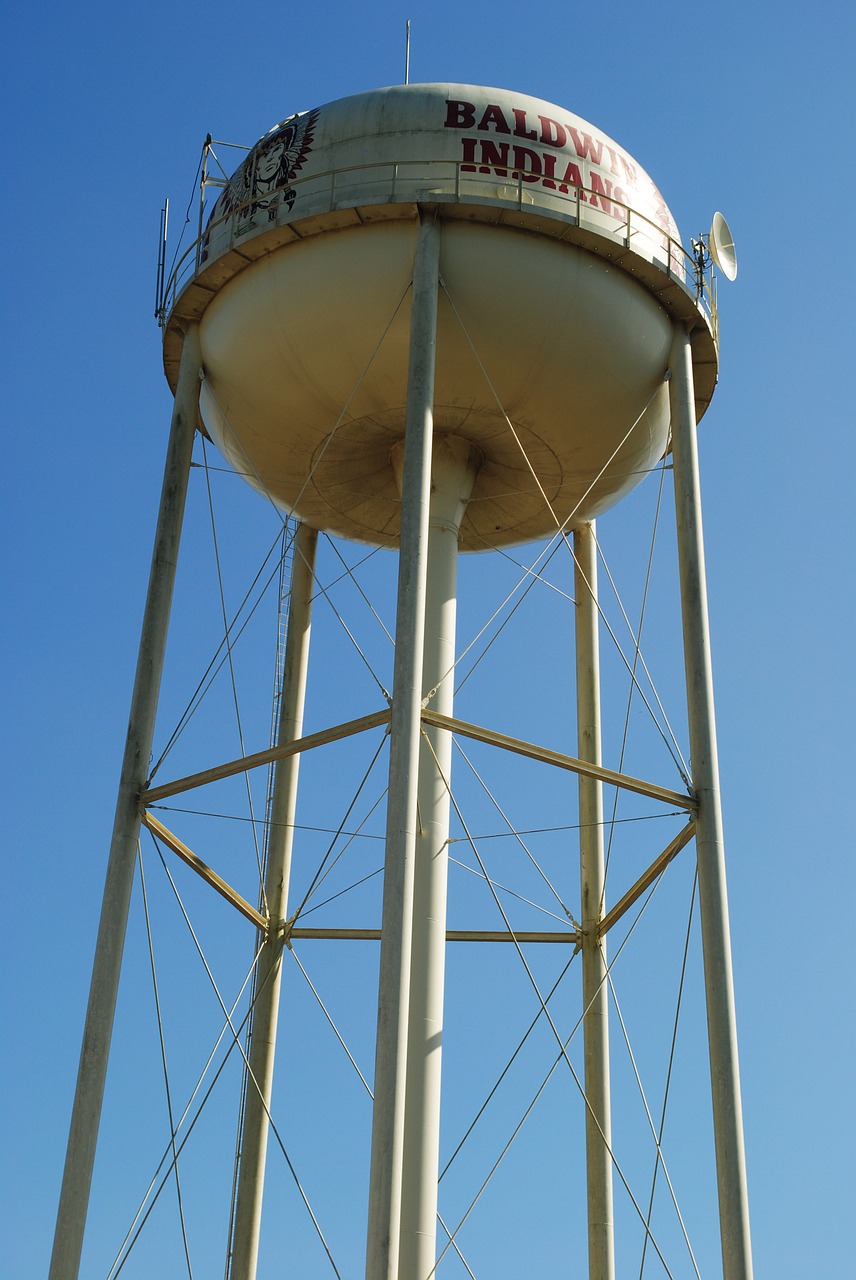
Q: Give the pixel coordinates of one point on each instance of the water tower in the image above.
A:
(442, 318)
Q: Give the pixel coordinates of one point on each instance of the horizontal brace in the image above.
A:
(202, 869)
(245, 763)
(571, 763)
(452, 935)
(657, 866)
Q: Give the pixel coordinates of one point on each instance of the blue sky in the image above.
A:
(106, 110)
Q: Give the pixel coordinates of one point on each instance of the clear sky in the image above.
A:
(747, 108)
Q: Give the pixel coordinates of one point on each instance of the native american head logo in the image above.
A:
(269, 169)
(262, 185)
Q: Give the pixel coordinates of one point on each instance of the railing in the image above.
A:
(454, 182)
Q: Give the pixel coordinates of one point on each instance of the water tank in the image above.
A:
(562, 276)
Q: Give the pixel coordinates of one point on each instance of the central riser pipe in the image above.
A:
(384, 1216)
(453, 472)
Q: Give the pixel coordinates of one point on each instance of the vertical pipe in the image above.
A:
(595, 993)
(453, 470)
(713, 898)
(203, 182)
(98, 1028)
(396, 922)
(254, 1132)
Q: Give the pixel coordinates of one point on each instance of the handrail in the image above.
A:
(681, 265)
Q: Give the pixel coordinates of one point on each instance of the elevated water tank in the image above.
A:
(562, 275)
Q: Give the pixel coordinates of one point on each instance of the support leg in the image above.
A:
(98, 1029)
(713, 898)
(254, 1133)
(595, 993)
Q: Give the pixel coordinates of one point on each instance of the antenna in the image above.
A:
(721, 244)
(407, 53)
(159, 287)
